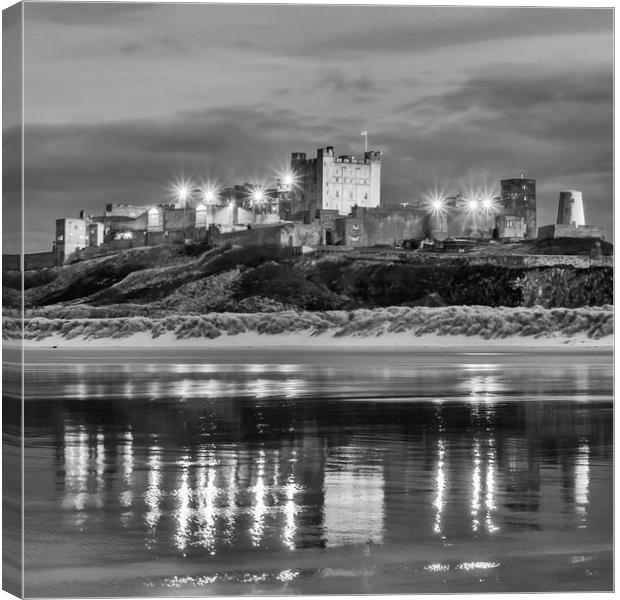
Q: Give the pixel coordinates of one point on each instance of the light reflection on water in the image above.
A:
(265, 463)
(207, 510)
(582, 483)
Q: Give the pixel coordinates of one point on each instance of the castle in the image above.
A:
(327, 200)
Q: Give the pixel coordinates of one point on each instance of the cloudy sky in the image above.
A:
(121, 99)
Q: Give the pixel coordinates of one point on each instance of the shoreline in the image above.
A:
(325, 342)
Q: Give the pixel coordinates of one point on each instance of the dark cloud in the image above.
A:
(337, 82)
(86, 13)
(421, 29)
(557, 128)
(523, 88)
(568, 115)
(163, 44)
(82, 166)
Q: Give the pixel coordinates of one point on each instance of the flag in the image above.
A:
(364, 133)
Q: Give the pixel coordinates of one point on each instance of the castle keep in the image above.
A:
(334, 183)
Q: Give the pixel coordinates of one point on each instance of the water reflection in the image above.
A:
(206, 494)
(231, 493)
(182, 513)
(582, 483)
(127, 463)
(354, 499)
(266, 463)
(258, 509)
(76, 471)
(153, 493)
(440, 480)
(474, 380)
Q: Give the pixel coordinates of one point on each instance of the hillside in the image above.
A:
(168, 280)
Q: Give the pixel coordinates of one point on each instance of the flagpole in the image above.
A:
(365, 134)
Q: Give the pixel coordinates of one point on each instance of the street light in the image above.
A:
(473, 205)
(257, 196)
(183, 190)
(209, 194)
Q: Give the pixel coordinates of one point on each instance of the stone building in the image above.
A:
(330, 182)
(509, 228)
(71, 234)
(518, 199)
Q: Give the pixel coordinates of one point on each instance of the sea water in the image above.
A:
(189, 472)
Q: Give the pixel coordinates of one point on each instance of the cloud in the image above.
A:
(557, 127)
(161, 44)
(562, 113)
(422, 29)
(69, 167)
(85, 14)
(339, 83)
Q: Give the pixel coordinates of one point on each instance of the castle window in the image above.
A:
(365, 196)
(61, 238)
(337, 194)
(350, 194)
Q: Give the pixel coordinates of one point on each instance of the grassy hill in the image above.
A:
(168, 280)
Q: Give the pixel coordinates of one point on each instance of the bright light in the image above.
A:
(257, 195)
(472, 205)
(182, 189)
(489, 203)
(287, 179)
(183, 192)
(435, 201)
(209, 193)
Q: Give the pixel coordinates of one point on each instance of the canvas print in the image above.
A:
(306, 299)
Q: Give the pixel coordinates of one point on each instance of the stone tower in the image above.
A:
(519, 200)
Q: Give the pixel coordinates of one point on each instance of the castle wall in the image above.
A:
(222, 216)
(155, 220)
(263, 236)
(113, 224)
(125, 210)
(561, 231)
(350, 231)
(248, 217)
(391, 226)
(298, 234)
(178, 218)
(95, 234)
(39, 260)
(510, 227)
(11, 262)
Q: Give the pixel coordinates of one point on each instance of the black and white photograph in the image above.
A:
(307, 299)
